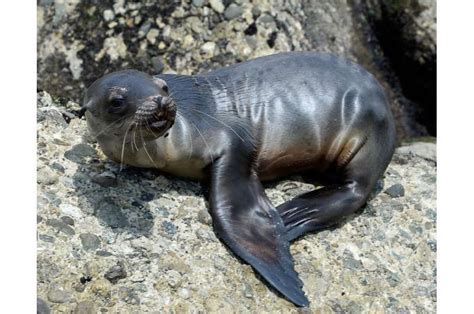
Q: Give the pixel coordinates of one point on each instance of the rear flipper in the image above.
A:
(321, 208)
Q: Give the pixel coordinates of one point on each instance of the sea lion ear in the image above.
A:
(83, 109)
(161, 84)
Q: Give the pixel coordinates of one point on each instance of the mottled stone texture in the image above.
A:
(145, 243)
(78, 41)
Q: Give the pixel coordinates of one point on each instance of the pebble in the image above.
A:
(208, 49)
(60, 226)
(396, 190)
(85, 307)
(169, 228)
(90, 242)
(266, 19)
(70, 210)
(204, 217)
(152, 35)
(217, 5)
(233, 11)
(109, 15)
(56, 295)
(256, 11)
(198, 3)
(68, 220)
(184, 293)
(173, 262)
(46, 238)
(115, 273)
(129, 295)
(105, 179)
(42, 307)
(46, 176)
(173, 278)
(100, 287)
(57, 166)
(248, 292)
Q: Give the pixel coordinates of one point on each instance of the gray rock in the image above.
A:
(79, 152)
(85, 307)
(204, 217)
(169, 228)
(103, 253)
(42, 307)
(52, 115)
(90, 242)
(233, 11)
(350, 262)
(396, 190)
(57, 166)
(421, 149)
(393, 279)
(46, 238)
(61, 226)
(68, 220)
(46, 176)
(111, 214)
(57, 295)
(256, 11)
(266, 19)
(105, 179)
(115, 273)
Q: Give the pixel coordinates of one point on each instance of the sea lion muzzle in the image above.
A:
(156, 112)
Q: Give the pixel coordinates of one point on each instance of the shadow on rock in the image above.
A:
(122, 200)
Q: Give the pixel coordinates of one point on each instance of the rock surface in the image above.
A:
(79, 41)
(151, 235)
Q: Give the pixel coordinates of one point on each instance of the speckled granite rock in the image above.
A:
(149, 245)
(79, 41)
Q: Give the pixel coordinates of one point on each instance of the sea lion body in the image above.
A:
(259, 120)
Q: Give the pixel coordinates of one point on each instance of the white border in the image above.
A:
(18, 156)
(455, 156)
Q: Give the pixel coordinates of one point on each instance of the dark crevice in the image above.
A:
(417, 78)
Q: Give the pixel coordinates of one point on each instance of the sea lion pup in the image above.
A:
(256, 120)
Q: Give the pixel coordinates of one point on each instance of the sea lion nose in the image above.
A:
(157, 99)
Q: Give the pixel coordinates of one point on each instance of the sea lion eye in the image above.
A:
(117, 102)
(165, 89)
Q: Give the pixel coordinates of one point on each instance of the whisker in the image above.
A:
(109, 126)
(134, 139)
(220, 123)
(146, 151)
(180, 118)
(123, 145)
(207, 145)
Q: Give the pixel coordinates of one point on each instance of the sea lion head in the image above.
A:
(129, 102)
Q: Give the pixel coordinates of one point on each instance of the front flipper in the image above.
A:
(247, 222)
